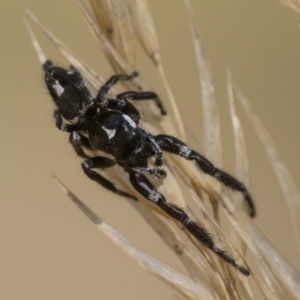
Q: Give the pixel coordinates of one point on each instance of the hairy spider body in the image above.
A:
(112, 126)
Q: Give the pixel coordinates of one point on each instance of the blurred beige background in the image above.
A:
(48, 249)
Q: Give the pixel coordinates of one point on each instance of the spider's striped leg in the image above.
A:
(156, 148)
(175, 146)
(101, 162)
(156, 172)
(146, 189)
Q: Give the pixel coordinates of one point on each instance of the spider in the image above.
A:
(112, 126)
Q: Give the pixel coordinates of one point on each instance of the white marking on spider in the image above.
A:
(121, 103)
(188, 221)
(76, 137)
(130, 121)
(58, 88)
(110, 132)
(87, 163)
(184, 151)
(154, 196)
(138, 150)
(103, 103)
(75, 120)
(217, 175)
(63, 127)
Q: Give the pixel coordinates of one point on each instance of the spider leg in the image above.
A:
(101, 162)
(132, 95)
(175, 146)
(47, 65)
(78, 83)
(61, 125)
(146, 189)
(156, 172)
(129, 109)
(79, 143)
(101, 100)
(156, 148)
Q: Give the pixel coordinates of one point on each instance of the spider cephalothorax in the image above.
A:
(112, 126)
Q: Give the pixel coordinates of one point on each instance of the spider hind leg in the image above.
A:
(175, 146)
(146, 189)
(79, 143)
(101, 162)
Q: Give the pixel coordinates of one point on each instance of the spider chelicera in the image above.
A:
(112, 126)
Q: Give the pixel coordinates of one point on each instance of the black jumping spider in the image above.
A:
(111, 125)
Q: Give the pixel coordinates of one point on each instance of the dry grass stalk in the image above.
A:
(114, 25)
(294, 4)
(242, 164)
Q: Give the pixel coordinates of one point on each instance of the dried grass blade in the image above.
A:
(242, 172)
(87, 72)
(212, 135)
(146, 34)
(118, 63)
(115, 59)
(177, 118)
(286, 274)
(294, 4)
(103, 13)
(212, 220)
(168, 232)
(41, 55)
(180, 283)
(145, 29)
(242, 164)
(123, 35)
(281, 278)
(226, 280)
(265, 285)
(285, 179)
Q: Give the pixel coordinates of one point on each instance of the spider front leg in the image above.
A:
(132, 95)
(61, 125)
(161, 174)
(128, 109)
(146, 189)
(79, 143)
(156, 148)
(78, 83)
(101, 162)
(77, 140)
(175, 146)
(101, 99)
